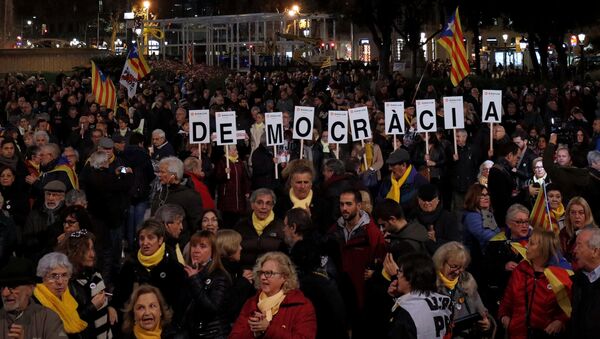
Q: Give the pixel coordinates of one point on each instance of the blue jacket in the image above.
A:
(408, 190)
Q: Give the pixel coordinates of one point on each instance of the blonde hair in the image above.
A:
(549, 244)
(285, 267)
(589, 218)
(452, 249)
(228, 242)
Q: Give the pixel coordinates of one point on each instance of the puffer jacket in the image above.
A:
(254, 245)
(526, 286)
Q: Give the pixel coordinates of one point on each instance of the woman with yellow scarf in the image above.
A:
(55, 271)
(450, 261)
(280, 309)
(147, 315)
(154, 266)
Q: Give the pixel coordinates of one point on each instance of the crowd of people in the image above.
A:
(113, 225)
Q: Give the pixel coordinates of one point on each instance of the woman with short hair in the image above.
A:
(55, 270)
(146, 314)
(279, 310)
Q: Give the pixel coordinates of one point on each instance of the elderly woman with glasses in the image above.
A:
(55, 270)
(87, 285)
(504, 252)
(451, 260)
(536, 301)
(279, 310)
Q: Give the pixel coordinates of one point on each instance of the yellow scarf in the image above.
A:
(65, 308)
(260, 225)
(450, 284)
(233, 159)
(269, 306)
(149, 261)
(141, 333)
(394, 192)
(555, 215)
(301, 203)
(179, 254)
(369, 155)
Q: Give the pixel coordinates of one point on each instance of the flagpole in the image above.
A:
(546, 202)
(419, 84)
(275, 156)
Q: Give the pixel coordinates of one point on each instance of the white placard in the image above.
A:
(199, 126)
(492, 106)
(426, 121)
(303, 122)
(338, 127)
(394, 118)
(454, 112)
(360, 126)
(241, 135)
(274, 128)
(226, 128)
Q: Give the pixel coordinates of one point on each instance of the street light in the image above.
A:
(581, 38)
(523, 45)
(146, 5)
(505, 38)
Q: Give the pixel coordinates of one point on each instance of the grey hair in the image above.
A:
(53, 148)
(42, 134)
(167, 213)
(593, 157)
(514, 209)
(262, 191)
(594, 240)
(191, 163)
(76, 197)
(174, 166)
(51, 261)
(159, 132)
(286, 267)
(98, 158)
(74, 151)
(335, 165)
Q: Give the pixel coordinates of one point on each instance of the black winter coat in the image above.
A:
(585, 318)
(464, 170)
(254, 245)
(107, 195)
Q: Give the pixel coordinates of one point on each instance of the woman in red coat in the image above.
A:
(279, 310)
(534, 305)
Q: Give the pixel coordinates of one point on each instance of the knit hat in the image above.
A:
(17, 272)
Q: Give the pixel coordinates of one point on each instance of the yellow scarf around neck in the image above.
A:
(555, 215)
(260, 225)
(301, 203)
(269, 306)
(394, 192)
(65, 308)
(149, 261)
(450, 284)
(141, 333)
(233, 158)
(369, 155)
(179, 254)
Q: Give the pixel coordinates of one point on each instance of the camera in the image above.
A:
(123, 170)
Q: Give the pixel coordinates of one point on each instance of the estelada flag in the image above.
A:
(103, 88)
(560, 281)
(451, 39)
(138, 63)
(539, 214)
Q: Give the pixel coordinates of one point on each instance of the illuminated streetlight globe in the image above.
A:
(505, 37)
(29, 22)
(581, 37)
(296, 8)
(146, 4)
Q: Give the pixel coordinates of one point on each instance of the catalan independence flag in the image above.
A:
(451, 39)
(103, 89)
(137, 63)
(541, 215)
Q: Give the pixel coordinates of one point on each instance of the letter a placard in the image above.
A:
(274, 128)
(426, 116)
(394, 118)
(492, 106)
(359, 123)
(199, 126)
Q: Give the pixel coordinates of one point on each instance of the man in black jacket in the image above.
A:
(464, 169)
(585, 318)
(501, 183)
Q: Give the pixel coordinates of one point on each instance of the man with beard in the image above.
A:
(21, 317)
(361, 245)
(43, 225)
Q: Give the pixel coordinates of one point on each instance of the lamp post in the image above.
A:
(505, 39)
(581, 38)
(523, 45)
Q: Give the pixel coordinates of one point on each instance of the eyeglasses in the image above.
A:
(55, 277)
(539, 167)
(521, 222)
(263, 203)
(11, 289)
(267, 274)
(70, 222)
(454, 267)
(79, 234)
